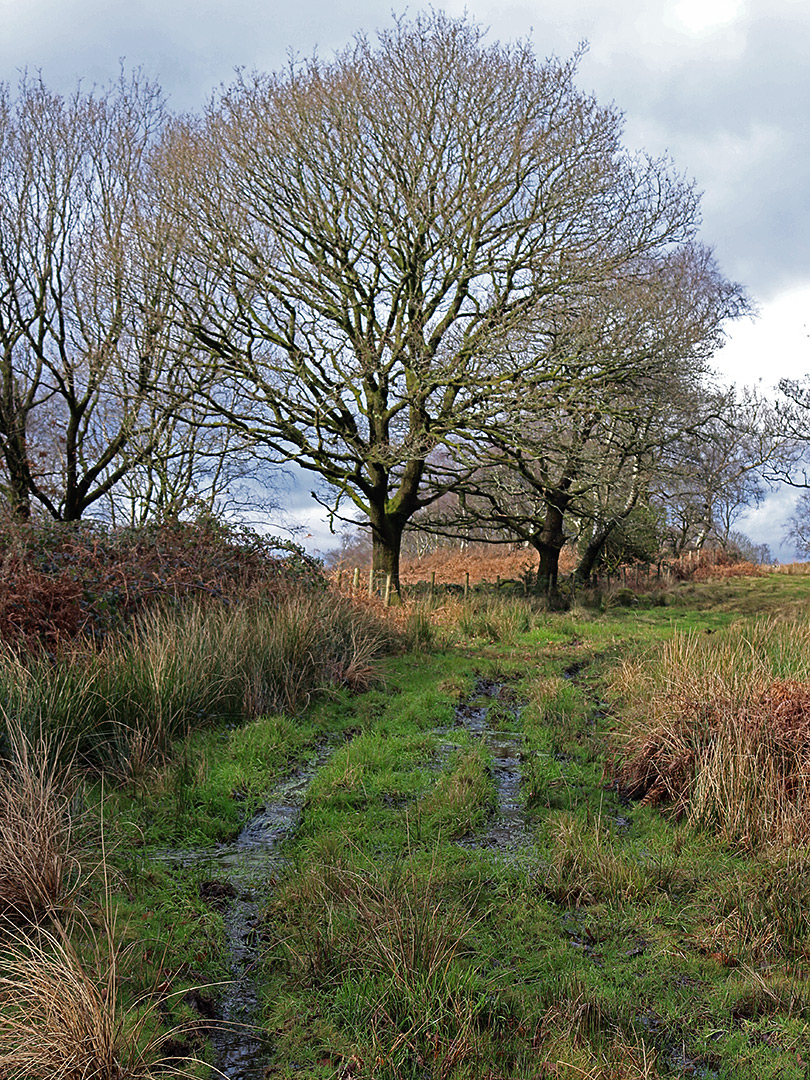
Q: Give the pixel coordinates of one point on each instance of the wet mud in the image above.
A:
(241, 876)
(489, 714)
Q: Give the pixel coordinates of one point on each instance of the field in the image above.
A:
(463, 839)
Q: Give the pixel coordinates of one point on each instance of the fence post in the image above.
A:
(466, 583)
(432, 582)
(356, 579)
(371, 580)
(387, 593)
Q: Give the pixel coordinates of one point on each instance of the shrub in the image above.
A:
(65, 580)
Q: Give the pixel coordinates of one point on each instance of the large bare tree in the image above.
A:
(634, 350)
(366, 236)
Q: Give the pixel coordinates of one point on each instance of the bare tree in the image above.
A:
(634, 350)
(717, 466)
(366, 236)
(90, 383)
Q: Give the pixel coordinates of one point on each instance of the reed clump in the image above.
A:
(718, 728)
(38, 860)
(119, 705)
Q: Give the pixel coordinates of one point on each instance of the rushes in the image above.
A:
(62, 1020)
(118, 707)
(37, 861)
(719, 727)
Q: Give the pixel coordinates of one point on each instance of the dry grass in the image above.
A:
(38, 864)
(62, 1017)
(719, 728)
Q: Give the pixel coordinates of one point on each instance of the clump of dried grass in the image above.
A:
(719, 728)
(62, 1017)
(38, 863)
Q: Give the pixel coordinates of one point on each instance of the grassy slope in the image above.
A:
(619, 944)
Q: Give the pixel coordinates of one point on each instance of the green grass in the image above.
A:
(620, 942)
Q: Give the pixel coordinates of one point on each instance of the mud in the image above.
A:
(242, 875)
(490, 705)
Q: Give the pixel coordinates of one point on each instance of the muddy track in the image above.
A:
(492, 714)
(242, 876)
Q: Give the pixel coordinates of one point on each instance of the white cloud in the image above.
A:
(702, 17)
(775, 345)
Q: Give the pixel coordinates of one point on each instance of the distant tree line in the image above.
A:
(427, 271)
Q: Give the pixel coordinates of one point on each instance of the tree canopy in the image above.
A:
(379, 249)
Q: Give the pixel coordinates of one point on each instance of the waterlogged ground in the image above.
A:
(439, 879)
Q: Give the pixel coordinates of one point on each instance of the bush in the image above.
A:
(66, 580)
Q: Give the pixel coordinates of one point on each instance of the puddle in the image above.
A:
(573, 670)
(241, 875)
(508, 827)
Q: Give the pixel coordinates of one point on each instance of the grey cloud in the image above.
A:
(736, 120)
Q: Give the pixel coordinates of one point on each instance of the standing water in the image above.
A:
(508, 827)
(243, 873)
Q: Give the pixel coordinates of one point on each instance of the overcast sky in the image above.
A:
(723, 86)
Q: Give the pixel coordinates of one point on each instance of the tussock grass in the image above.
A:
(496, 619)
(459, 801)
(620, 1060)
(585, 865)
(719, 728)
(63, 1018)
(120, 706)
(38, 862)
(388, 946)
(762, 912)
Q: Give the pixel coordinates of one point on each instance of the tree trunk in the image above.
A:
(386, 541)
(584, 570)
(18, 491)
(548, 543)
